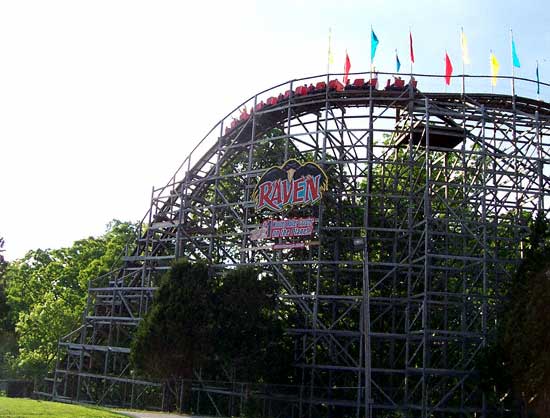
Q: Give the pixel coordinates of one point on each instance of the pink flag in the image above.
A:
(347, 67)
(411, 46)
(448, 69)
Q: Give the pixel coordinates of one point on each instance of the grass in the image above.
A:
(23, 408)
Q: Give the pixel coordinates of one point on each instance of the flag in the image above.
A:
(397, 62)
(538, 81)
(373, 44)
(494, 69)
(464, 46)
(515, 59)
(411, 46)
(330, 55)
(448, 69)
(347, 66)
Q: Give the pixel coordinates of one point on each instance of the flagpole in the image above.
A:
(513, 66)
(492, 75)
(538, 83)
(370, 67)
(446, 71)
(329, 49)
(463, 68)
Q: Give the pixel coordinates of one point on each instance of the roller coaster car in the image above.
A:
(231, 126)
(358, 84)
(301, 91)
(244, 115)
(398, 84)
(320, 87)
(271, 101)
(335, 85)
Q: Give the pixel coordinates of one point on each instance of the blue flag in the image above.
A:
(397, 62)
(515, 58)
(373, 44)
(538, 81)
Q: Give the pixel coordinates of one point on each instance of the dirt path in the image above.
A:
(145, 414)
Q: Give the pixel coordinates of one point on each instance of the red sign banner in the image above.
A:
(284, 228)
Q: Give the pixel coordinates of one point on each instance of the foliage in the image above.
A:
(8, 344)
(248, 334)
(176, 333)
(5, 323)
(517, 365)
(46, 293)
(14, 407)
(216, 323)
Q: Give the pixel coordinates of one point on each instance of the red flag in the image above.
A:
(347, 66)
(411, 46)
(448, 69)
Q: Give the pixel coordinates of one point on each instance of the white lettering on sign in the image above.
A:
(284, 228)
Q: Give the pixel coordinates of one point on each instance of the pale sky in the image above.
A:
(101, 100)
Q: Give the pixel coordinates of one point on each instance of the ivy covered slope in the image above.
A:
(44, 297)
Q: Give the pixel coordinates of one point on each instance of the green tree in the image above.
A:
(226, 325)
(46, 293)
(176, 334)
(5, 323)
(8, 344)
(248, 333)
(515, 368)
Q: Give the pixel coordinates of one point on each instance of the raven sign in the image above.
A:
(289, 185)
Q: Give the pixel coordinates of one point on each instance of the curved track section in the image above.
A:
(393, 292)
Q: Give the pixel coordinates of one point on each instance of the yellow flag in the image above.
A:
(494, 69)
(464, 45)
(330, 56)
